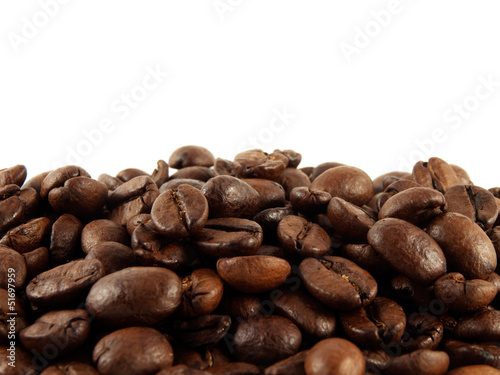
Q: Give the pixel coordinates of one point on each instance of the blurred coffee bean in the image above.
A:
(293, 365)
(419, 362)
(292, 178)
(13, 175)
(462, 353)
(481, 326)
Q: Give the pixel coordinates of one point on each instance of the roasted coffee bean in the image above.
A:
(102, 230)
(409, 290)
(228, 196)
(494, 235)
(201, 293)
(481, 326)
(467, 248)
(476, 203)
(130, 173)
(174, 184)
(494, 278)
(309, 202)
(114, 256)
(419, 362)
(146, 237)
(21, 362)
(378, 182)
(271, 194)
(462, 353)
(67, 329)
(436, 174)
(70, 368)
(293, 365)
(408, 249)
(338, 282)
(392, 188)
(351, 222)
(179, 212)
(137, 220)
(462, 175)
(335, 356)
(234, 368)
(461, 295)
(381, 322)
(111, 182)
(254, 273)
(308, 171)
(37, 261)
(174, 256)
(474, 370)
(152, 293)
(13, 268)
(294, 158)
(160, 174)
(313, 318)
(349, 183)
(270, 218)
(133, 350)
(13, 175)
(258, 164)
(299, 236)
(265, 340)
(59, 176)
(275, 251)
(195, 173)
(28, 236)
(292, 178)
(203, 330)
(188, 156)
(64, 284)
(65, 239)
(10, 304)
(181, 370)
(320, 168)
(226, 237)
(242, 306)
(365, 257)
(376, 361)
(224, 167)
(423, 331)
(17, 206)
(35, 182)
(416, 205)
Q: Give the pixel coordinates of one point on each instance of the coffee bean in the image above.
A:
(320, 168)
(23, 363)
(13, 268)
(242, 306)
(129, 173)
(334, 356)
(13, 175)
(113, 256)
(152, 293)
(408, 249)
(270, 218)
(174, 256)
(265, 339)
(37, 261)
(202, 330)
(195, 173)
(419, 362)
(481, 326)
(462, 353)
(134, 350)
(258, 164)
(160, 174)
(338, 282)
(293, 365)
(28, 236)
(179, 212)
(271, 194)
(102, 230)
(365, 257)
(188, 156)
(17, 206)
(423, 331)
(174, 184)
(292, 178)
(254, 273)
(181, 370)
(475, 370)
(65, 239)
(349, 221)
(235, 368)
(376, 360)
(59, 176)
(307, 201)
(111, 182)
(436, 174)
(379, 183)
(70, 368)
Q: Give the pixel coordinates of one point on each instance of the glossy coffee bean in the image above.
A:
(37, 261)
(270, 218)
(419, 362)
(174, 256)
(463, 353)
(113, 256)
(335, 356)
(265, 340)
(271, 193)
(483, 325)
(129, 173)
(292, 178)
(349, 221)
(59, 176)
(13, 270)
(17, 206)
(102, 230)
(188, 156)
(65, 239)
(175, 183)
(28, 236)
(152, 293)
(307, 201)
(376, 360)
(467, 248)
(194, 172)
(338, 282)
(179, 212)
(365, 257)
(64, 284)
(65, 330)
(423, 331)
(134, 350)
(436, 173)
(293, 365)
(13, 175)
(408, 249)
(320, 168)
(200, 331)
(258, 164)
(254, 273)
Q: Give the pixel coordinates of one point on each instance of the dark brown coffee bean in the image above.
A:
(102, 230)
(64, 284)
(182, 370)
(265, 340)
(378, 182)
(292, 178)
(271, 193)
(365, 257)
(423, 331)
(416, 205)
(293, 365)
(226, 237)
(320, 168)
(476, 203)
(313, 318)
(234, 368)
(335, 356)
(111, 182)
(494, 235)
(59, 176)
(13, 175)
(338, 282)
(299, 236)
(29, 236)
(462, 353)
(349, 183)
(376, 361)
(152, 295)
(224, 167)
(467, 248)
(461, 295)
(349, 221)
(258, 164)
(411, 291)
(294, 158)
(254, 273)
(134, 350)
(419, 362)
(270, 218)
(177, 213)
(13, 269)
(35, 182)
(201, 293)
(202, 330)
(228, 196)
(494, 278)
(408, 249)
(65, 239)
(474, 370)
(17, 206)
(381, 322)
(242, 306)
(309, 202)
(174, 256)
(70, 368)
(195, 173)
(160, 174)
(436, 174)
(174, 184)
(188, 156)
(146, 237)
(137, 220)
(130, 173)
(481, 326)
(11, 304)
(62, 330)
(37, 261)
(308, 171)
(275, 251)
(114, 256)
(21, 362)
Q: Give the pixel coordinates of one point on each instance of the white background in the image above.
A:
(366, 83)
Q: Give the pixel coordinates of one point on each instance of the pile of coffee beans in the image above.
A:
(249, 266)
